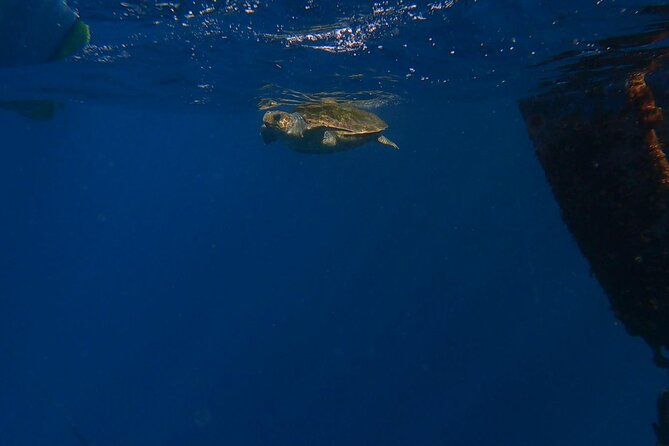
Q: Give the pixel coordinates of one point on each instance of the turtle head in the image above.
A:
(279, 123)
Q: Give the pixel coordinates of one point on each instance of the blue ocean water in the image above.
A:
(168, 279)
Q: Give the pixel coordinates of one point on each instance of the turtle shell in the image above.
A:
(337, 116)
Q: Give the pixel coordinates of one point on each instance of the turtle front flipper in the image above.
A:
(386, 142)
(329, 138)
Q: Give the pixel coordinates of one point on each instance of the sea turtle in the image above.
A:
(324, 127)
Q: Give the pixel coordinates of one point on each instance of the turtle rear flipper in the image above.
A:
(386, 142)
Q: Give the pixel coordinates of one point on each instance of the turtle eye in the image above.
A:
(276, 117)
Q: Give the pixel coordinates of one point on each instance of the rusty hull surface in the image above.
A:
(603, 154)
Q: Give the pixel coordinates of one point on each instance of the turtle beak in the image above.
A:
(268, 136)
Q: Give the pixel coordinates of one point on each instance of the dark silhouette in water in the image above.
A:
(600, 136)
(37, 110)
(662, 425)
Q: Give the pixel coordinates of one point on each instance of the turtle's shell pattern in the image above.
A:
(340, 117)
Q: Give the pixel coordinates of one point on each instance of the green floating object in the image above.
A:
(75, 40)
(39, 31)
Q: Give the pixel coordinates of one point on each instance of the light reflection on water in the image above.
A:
(163, 52)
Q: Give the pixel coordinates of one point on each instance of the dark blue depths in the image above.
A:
(167, 279)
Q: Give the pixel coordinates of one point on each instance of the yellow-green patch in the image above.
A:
(75, 40)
